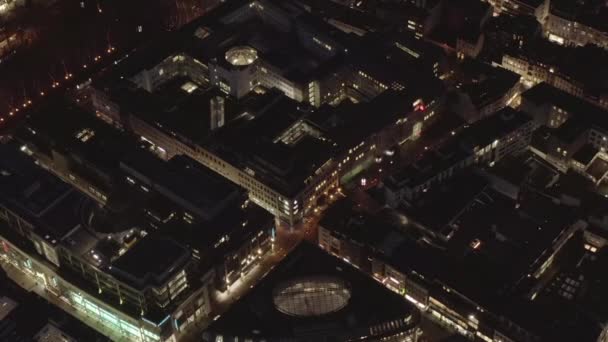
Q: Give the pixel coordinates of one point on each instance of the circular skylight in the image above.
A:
(313, 296)
(241, 55)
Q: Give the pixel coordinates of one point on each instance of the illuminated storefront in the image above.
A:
(40, 272)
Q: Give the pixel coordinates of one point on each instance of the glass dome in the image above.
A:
(313, 296)
(241, 55)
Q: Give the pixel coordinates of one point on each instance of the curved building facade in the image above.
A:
(313, 296)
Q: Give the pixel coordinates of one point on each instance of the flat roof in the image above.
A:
(486, 83)
(532, 3)
(458, 148)
(275, 32)
(513, 168)
(186, 113)
(583, 115)
(400, 58)
(591, 13)
(572, 304)
(348, 124)
(52, 206)
(395, 12)
(489, 237)
(598, 168)
(275, 41)
(335, 11)
(183, 181)
(594, 299)
(465, 21)
(144, 263)
(258, 120)
(71, 130)
(255, 315)
(585, 154)
(274, 28)
(430, 164)
(345, 219)
(583, 66)
(257, 143)
(485, 131)
(233, 225)
(438, 207)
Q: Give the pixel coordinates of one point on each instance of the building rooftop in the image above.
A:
(485, 84)
(514, 169)
(571, 303)
(183, 181)
(345, 219)
(202, 210)
(585, 154)
(457, 148)
(582, 115)
(437, 208)
(338, 15)
(466, 19)
(488, 235)
(73, 132)
(532, 3)
(349, 123)
(212, 237)
(53, 206)
(598, 168)
(296, 44)
(591, 13)
(64, 216)
(399, 59)
(273, 311)
(143, 265)
(567, 62)
(258, 120)
(429, 165)
(526, 25)
(484, 132)
(183, 112)
(279, 32)
(396, 12)
(263, 145)
(510, 32)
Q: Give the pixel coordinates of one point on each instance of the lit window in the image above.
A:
(475, 244)
(85, 134)
(189, 87)
(225, 87)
